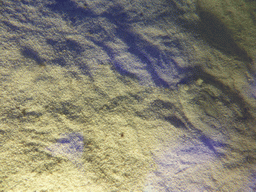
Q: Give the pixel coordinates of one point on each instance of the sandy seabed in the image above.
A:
(123, 96)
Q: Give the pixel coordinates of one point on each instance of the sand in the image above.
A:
(127, 96)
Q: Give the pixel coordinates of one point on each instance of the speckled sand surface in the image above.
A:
(131, 96)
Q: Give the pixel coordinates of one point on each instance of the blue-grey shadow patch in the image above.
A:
(252, 185)
(174, 165)
(71, 10)
(74, 140)
(69, 146)
(32, 54)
